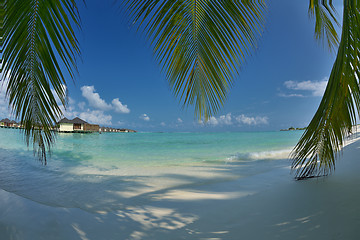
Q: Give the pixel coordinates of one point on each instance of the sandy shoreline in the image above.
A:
(265, 206)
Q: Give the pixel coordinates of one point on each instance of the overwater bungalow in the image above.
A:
(118, 130)
(13, 123)
(76, 125)
(5, 122)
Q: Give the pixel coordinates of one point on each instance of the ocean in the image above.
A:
(105, 172)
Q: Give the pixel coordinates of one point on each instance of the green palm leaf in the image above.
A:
(200, 44)
(37, 37)
(325, 17)
(317, 150)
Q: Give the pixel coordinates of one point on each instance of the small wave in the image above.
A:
(243, 157)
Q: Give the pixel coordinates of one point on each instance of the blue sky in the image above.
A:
(120, 84)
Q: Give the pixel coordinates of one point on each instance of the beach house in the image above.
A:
(5, 122)
(13, 123)
(76, 125)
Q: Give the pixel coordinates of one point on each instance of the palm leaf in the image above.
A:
(325, 17)
(200, 44)
(37, 39)
(316, 152)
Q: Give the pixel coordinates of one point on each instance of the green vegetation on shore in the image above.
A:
(293, 129)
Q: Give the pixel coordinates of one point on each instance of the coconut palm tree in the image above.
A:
(200, 45)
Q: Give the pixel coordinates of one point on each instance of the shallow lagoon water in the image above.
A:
(105, 172)
(173, 186)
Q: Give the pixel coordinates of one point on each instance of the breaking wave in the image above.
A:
(264, 155)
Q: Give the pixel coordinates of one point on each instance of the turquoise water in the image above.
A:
(99, 172)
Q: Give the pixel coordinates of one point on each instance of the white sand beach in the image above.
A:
(265, 206)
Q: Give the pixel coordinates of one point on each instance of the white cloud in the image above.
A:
(81, 105)
(94, 98)
(4, 103)
(163, 124)
(97, 102)
(71, 101)
(119, 107)
(226, 119)
(179, 120)
(290, 95)
(243, 119)
(91, 116)
(317, 88)
(96, 117)
(144, 117)
(222, 120)
(213, 121)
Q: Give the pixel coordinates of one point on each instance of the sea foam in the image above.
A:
(262, 155)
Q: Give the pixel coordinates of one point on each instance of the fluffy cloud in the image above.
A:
(96, 117)
(71, 101)
(81, 105)
(213, 121)
(242, 119)
(144, 117)
(226, 119)
(97, 102)
(290, 95)
(4, 103)
(179, 120)
(94, 98)
(222, 120)
(91, 115)
(316, 88)
(119, 107)
(163, 124)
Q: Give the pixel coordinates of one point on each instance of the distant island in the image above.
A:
(293, 129)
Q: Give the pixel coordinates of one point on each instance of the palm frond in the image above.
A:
(316, 152)
(200, 44)
(38, 38)
(325, 17)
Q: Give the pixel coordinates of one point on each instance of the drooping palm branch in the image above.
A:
(37, 40)
(200, 44)
(325, 17)
(318, 148)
